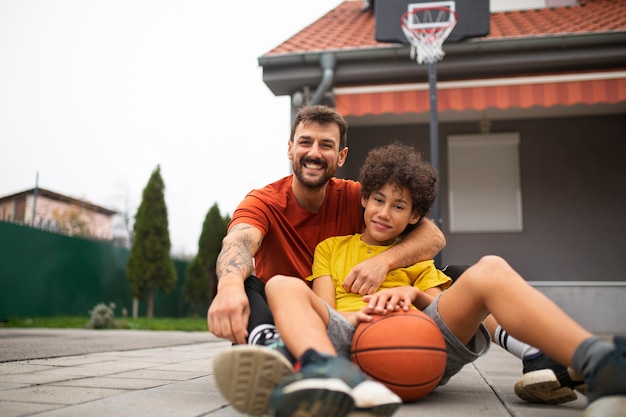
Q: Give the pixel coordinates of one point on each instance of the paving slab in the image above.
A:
(68, 373)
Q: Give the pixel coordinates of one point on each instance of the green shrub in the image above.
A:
(102, 317)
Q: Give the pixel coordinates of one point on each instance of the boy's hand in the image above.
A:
(382, 303)
(390, 299)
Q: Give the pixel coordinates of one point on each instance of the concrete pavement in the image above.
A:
(120, 373)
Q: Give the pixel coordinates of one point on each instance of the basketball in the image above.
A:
(403, 350)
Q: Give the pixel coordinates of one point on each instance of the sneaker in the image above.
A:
(607, 384)
(246, 375)
(331, 386)
(268, 336)
(546, 381)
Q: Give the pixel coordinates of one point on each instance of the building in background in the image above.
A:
(59, 213)
(531, 129)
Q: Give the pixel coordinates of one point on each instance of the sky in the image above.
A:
(94, 94)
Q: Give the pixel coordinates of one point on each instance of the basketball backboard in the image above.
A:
(472, 19)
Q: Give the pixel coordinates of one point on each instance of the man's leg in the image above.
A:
(261, 328)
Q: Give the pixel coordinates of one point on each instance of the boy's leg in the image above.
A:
(293, 303)
(493, 286)
(325, 385)
(545, 380)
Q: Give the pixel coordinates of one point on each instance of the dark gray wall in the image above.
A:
(573, 173)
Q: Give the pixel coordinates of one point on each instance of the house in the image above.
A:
(45, 209)
(530, 134)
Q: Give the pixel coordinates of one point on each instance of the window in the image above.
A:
(484, 183)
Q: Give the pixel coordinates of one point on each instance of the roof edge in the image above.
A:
(60, 197)
(479, 45)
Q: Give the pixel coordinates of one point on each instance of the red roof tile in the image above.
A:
(348, 27)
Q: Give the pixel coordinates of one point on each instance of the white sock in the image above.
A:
(268, 331)
(516, 347)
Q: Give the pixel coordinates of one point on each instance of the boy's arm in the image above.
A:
(420, 244)
(325, 289)
(230, 309)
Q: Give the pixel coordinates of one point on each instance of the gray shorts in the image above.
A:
(341, 332)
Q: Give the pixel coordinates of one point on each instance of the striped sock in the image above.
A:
(511, 344)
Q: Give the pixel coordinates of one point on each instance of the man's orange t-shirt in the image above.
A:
(290, 232)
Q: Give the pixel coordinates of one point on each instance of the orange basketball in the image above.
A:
(403, 350)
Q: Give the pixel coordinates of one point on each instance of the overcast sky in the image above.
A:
(94, 94)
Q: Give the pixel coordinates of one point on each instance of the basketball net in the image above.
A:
(427, 28)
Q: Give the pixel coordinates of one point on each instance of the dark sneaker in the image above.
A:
(331, 386)
(546, 381)
(246, 375)
(607, 385)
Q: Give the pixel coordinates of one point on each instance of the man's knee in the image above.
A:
(282, 284)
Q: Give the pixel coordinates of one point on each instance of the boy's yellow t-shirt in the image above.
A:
(336, 256)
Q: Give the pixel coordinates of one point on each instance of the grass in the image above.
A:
(78, 322)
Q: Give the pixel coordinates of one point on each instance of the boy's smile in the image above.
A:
(388, 211)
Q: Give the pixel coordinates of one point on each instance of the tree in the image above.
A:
(149, 266)
(201, 283)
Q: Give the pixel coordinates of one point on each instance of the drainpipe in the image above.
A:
(327, 62)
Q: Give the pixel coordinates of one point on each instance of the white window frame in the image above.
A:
(484, 185)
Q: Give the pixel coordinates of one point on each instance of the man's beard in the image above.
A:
(312, 184)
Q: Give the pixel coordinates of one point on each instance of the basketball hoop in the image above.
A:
(427, 28)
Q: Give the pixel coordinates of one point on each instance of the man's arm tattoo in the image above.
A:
(237, 256)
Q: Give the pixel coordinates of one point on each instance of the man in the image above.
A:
(275, 231)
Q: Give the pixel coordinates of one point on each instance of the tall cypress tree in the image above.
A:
(149, 265)
(201, 283)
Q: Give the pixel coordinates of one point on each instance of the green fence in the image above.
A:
(45, 274)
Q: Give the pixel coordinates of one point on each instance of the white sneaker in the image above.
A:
(246, 375)
(373, 399)
(543, 387)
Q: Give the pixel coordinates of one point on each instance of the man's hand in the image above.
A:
(365, 277)
(420, 244)
(229, 313)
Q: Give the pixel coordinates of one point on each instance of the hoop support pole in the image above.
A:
(434, 145)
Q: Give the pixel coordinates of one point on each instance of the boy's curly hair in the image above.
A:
(400, 165)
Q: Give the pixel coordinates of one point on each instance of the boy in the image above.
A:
(327, 378)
